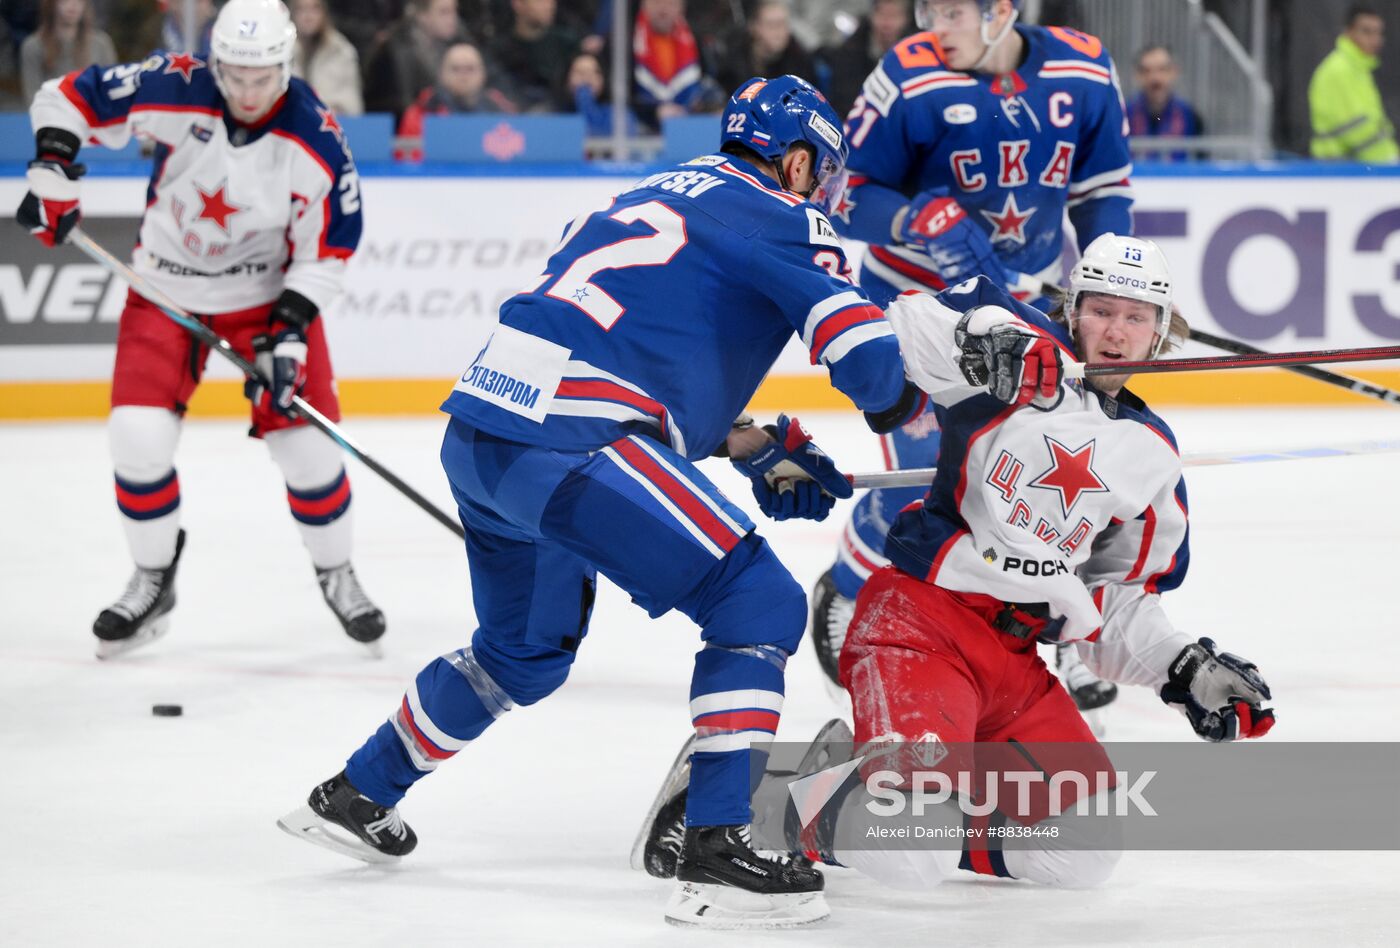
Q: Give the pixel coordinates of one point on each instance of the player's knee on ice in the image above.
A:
(1082, 853)
(142, 441)
(749, 598)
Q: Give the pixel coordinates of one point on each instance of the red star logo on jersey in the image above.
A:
(1010, 224)
(184, 64)
(1071, 472)
(216, 207)
(329, 123)
(844, 206)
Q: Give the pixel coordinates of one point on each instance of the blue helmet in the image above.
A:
(769, 116)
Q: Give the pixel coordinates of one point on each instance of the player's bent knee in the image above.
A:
(1068, 869)
(524, 672)
(142, 441)
(307, 458)
(753, 600)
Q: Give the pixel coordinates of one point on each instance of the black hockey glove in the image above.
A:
(1221, 694)
(281, 360)
(1016, 362)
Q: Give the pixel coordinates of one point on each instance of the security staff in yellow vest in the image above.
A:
(1348, 118)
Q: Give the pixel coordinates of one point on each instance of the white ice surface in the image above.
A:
(120, 828)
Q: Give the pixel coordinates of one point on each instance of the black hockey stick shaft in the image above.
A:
(221, 345)
(1359, 386)
(1248, 361)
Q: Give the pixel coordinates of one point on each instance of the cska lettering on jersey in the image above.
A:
(1019, 150)
(234, 213)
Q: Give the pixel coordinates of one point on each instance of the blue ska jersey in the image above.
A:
(1015, 150)
(661, 312)
(1076, 501)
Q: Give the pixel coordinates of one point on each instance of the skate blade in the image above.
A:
(305, 824)
(724, 907)
(678, 776)
(374, 650)
(1097, 721)
(148, 633)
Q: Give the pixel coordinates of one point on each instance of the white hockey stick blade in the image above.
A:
(306, 825)
(148, 633)
(678, 776)
(923, 476)
(727, 907)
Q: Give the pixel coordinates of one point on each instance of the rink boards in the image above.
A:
(1286, 257)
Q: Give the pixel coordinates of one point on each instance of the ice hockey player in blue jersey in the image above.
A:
(970, 142)
(571, 451)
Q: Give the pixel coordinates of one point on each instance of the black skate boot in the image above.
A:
(722, 883)
(360, 618)
(377, 834)
(1089, 691)
(142, 613)
(658, 846)
(831, 615)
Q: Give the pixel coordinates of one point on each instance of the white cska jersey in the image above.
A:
(1075, 502)
(234, 213)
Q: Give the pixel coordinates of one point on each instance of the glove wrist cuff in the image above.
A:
(293, 310)
(56, 144)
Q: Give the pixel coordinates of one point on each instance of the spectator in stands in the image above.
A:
(764, 47)
(826, 24)
(849, 63)
(408, 60)
(1348, 117)
(65, 42)
(9, 73)
(462, 88)
(1157, 110)
(585, 92)
(533, 57)
(325, 58)
(667, 74)
(172, 29)
(365, 23)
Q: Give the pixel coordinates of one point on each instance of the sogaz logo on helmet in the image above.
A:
(960, 113)
(1128, 281)
(247, 28)
(826, 130)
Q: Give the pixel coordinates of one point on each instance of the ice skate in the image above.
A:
(1088, 690)
(658, 845)
(142, 614)
(360, 618)
(343, 820)
(722, 883)
(831, 616)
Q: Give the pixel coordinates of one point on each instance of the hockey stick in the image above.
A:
(221, 345)
(923, 476)
(1079, 370)
(1359, 386)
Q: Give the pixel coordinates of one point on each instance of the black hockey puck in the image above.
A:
(167, 710)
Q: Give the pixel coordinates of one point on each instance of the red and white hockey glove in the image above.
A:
(1222, 695)
(1015, 361)
(50, 210)
(282, 361)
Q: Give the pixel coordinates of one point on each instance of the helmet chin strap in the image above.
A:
(993, 42)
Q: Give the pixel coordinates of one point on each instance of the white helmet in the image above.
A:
(1127, 267)
(252, 33)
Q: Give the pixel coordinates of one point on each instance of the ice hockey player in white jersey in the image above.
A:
(1058, 514)
(252, 211)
